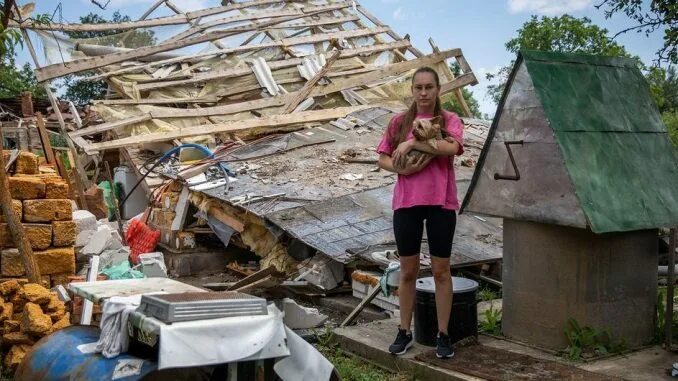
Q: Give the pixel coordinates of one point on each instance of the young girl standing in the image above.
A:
(425, 193)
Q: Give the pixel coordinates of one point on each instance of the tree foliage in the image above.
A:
(664, 88)
(565, 34)
(15, 80)
(82, 91)
(652, 16)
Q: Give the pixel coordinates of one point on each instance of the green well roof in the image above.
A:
(616, 149)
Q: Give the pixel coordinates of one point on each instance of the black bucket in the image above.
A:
(463, 317)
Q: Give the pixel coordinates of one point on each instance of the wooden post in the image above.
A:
(44, 138)
(80, 179)
(670, 284)
(15, 226)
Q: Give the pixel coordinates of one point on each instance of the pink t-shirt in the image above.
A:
(433, 185)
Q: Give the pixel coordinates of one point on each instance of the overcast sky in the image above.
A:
(479, 27)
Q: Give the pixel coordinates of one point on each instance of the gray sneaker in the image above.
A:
(444, 348)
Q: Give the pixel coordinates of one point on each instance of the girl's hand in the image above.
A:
(416, 166)
(402, 150)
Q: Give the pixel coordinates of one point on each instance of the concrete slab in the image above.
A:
(371, 341)
(647, 364)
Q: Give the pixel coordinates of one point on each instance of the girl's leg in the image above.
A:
(409, 269)
(440, 226)
(408, 228)
(443, 280)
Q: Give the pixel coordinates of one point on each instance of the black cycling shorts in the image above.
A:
(408, 227)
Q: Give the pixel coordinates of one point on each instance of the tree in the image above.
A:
(662, 14)
(78, 89)
(558, 34)
(450, 102)
(664, 88)
(14, 81)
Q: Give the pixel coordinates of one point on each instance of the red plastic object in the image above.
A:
(141, 239)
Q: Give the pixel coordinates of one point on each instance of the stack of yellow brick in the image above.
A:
(27, 313)
(42, 204)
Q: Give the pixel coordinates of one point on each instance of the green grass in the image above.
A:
(491, 322)
(350, 367)
(486, 294)
(587, 342)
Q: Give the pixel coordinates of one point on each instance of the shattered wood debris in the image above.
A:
(290, 98)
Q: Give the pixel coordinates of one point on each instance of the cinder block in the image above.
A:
(26, 188)
(47, 210)
(63, 233)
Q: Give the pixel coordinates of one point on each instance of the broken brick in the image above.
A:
(14, 338)
(36, 293)
(54, 304)
(34, 321)
(64, 233)
(17, 207)
(58, 313)
(7, 312)
(62, 323)
(10, 326)
(9, 286)
(18, 300)
(15, 356)
(27, 163)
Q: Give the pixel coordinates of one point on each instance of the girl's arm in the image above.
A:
(386, 162)
(445, 147)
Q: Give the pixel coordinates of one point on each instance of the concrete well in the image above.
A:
(552, 273)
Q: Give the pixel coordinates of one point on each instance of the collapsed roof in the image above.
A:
(248, 69)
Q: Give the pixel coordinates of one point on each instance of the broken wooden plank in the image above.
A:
(84, 64)
(110, 125)
(338, 85)
(461, 81)
(155, 101)
(303, 10)
(224, 217)
(103, 27)
(44, 138)
(264, 122)
(306, 90)
(236, 72)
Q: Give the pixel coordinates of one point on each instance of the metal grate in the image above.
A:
(200, 296)
(170, 308)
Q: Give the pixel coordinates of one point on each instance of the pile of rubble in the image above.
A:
(41, 201)
(28, 312)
